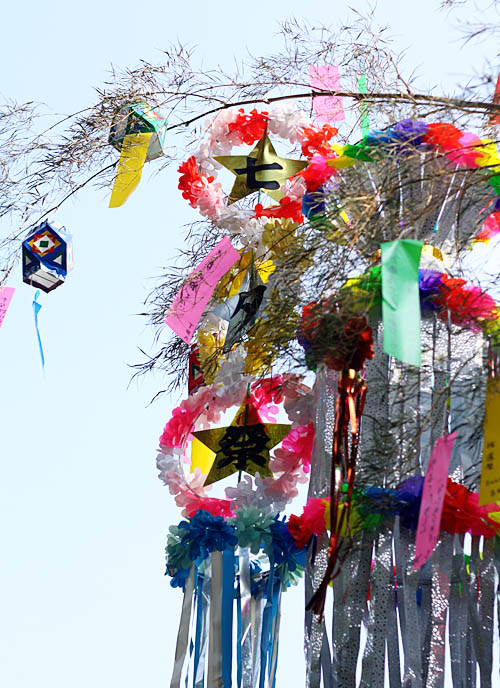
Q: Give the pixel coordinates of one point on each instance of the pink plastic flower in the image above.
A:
(490, 229)
(300, 441)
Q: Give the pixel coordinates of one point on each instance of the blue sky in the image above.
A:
(84, 519)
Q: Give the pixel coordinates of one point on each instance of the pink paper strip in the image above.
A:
(6, 294)
(188, 305)
(433, 494)
(326, 78)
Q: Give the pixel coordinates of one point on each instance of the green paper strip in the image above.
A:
(401, 300)
(363, 106)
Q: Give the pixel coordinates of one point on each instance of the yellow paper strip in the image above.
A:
(129, 170)
(490, 468)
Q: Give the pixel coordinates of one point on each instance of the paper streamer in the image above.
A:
(326, 78)
(401, 300)
(227, 604)
(489, 490)
(36, 309)
(6, 294)
(495, 119)
(431, 507)
(188, 305)
(183, 633)
(128, 173)
(363, 106)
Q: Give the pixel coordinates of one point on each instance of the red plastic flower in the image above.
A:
(466, 303)
(251, 127)
(462, 513)
(340, 339)
(191, 180)
(317, 172)
(443, 135)
(287, 208)
(316, 141)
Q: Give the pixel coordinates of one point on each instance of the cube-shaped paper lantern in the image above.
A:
(47, 256)
(138, 119)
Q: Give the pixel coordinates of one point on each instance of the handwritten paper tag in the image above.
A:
(433, 494)
(326, 78)
(6, 294)
(489, 490)
(190, 301)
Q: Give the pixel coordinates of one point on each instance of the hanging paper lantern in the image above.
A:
(47, 256)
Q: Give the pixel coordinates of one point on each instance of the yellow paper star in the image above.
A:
(261, 169)
(243, 446)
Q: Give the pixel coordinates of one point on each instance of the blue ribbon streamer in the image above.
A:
(36, 309)
(227, 615)
(239, 631)
(276, 593)
(199, 618)
(265, 637)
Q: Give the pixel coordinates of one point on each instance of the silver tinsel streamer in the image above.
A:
(315, 642)
(411, 615)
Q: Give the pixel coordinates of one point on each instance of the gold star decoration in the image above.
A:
(243, 446)
(261, 169)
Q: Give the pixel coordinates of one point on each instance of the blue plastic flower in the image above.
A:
(206, 533)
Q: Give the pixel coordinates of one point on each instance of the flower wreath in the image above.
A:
(289, 463)
(234, 127)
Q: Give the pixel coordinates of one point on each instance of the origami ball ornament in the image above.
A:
(138, 119)
(47, 256)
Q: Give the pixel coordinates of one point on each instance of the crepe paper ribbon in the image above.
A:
(363, 106)
(128, 173)
(433, 494)
(6, 294)
(489, 490)
(401, 300)
(326, 78)
(495, 119)
(36, 309)
(189, 303)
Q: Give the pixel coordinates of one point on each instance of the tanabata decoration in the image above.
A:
(360, 358)
(138, 131)
(47, 256)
